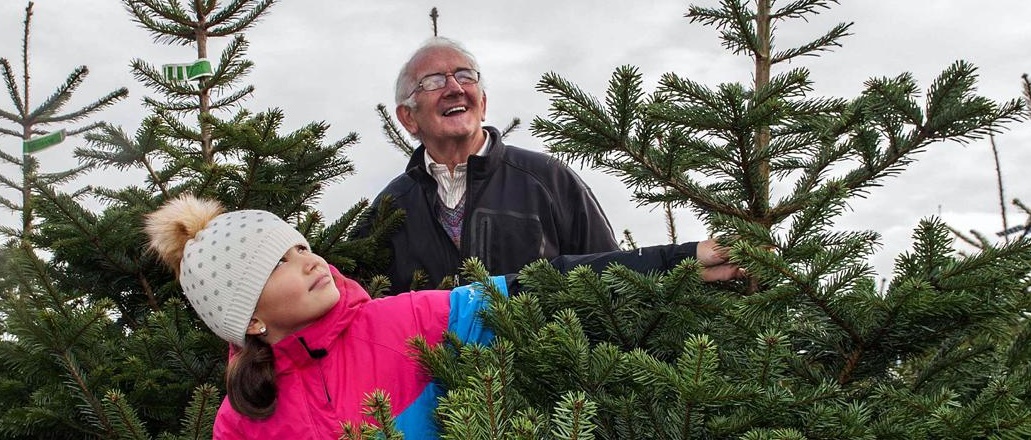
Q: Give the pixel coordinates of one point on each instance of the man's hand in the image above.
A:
(715, 266)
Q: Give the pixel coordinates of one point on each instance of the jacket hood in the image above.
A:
(311, 342)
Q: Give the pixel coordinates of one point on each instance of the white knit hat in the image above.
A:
(225, 267)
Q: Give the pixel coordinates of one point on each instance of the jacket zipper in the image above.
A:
(316, 356)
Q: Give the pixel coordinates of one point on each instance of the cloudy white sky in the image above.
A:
(334, 61)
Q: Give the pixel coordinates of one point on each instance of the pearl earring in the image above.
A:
(263, 331)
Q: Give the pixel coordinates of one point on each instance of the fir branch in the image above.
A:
(585, 131)
(952, 352)
(950, 87)
(178, 130)
(99, 104)
(628, 240)
(25, 57)
(954, 113)
(33, 268)
(893, 97)
(582, 122)
(778, 92)
(691, 94)
(798, 9)
(205, 7)
(572, 417)
(393, 132)
(61, 96)
(491, 411)
(199, 418)
(232, 11)
(126, 152)
(241, 22)
(231, 100)
(741, 35)
(169, 10)
(231, 65)
(85, 224)
(512, 126)
(177, 352)
(172, 105)
(718, 17)
(172, 29)
(123, 417)
(967, 239)
(11, 117)
(154, 79)
(819, 208)
(336, 232)
(84, 129)
(594, 288)
(456, 413)
(11, 159)
(377, 405)
(671, 224)
(91, 407)
(10, 205)
(62, 177)
(734, 22)
(815, 47)
(623, 102)
(991, 260)
(998, 181)
(12, 90)
(814, 170)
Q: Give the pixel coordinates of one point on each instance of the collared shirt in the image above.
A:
(451, 186)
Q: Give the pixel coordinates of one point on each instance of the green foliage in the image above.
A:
(30, 123)
(169, 22)
(166, 363)
(377, 406)
(807, 346)
(97, 340)
(67, 359)
(931, 357)
(98, 344)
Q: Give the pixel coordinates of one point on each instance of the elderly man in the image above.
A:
(467, 194)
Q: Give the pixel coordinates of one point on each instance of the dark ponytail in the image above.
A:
(251, 379)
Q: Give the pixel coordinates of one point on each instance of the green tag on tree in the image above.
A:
(48, 140)
(188, 72)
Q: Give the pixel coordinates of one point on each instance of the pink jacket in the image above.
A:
(326, 370)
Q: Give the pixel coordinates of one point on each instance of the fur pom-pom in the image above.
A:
(175, 223)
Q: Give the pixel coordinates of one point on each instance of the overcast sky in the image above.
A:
(334, 61)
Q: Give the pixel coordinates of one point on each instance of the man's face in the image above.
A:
(453, 112)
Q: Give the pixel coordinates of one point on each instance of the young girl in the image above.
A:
(307, 343)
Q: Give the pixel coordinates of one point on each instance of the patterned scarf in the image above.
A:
(451, 219)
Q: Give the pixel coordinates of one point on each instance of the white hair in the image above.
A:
(406, 80)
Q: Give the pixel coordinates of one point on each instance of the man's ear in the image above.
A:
(404, 115)
(484, 116)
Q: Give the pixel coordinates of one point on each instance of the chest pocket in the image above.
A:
(505, 240)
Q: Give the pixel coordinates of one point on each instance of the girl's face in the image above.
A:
(299, 292)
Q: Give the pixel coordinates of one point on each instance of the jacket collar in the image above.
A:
(478, 168)
(297, 350)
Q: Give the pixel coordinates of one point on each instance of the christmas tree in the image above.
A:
(99, 345)
(807, 347)
(98, 342)
(30, 122)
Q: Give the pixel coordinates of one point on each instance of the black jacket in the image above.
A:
(520, 206)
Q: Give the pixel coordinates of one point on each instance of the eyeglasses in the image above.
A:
(437, 81)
